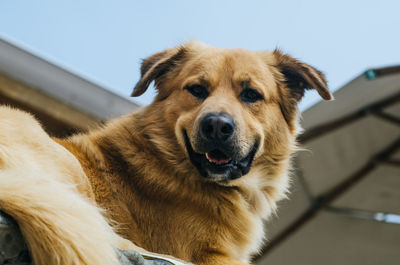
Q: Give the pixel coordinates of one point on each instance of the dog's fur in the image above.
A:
(139, 170)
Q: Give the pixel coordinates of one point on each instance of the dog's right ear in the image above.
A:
(156, 66)
(300, 76)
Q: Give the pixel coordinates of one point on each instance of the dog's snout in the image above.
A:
(217, 126)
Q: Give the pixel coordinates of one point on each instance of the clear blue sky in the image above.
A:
(105, 40)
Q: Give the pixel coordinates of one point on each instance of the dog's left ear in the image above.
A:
(300, 76)
(156, 66)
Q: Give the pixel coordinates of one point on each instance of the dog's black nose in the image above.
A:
(217, 126)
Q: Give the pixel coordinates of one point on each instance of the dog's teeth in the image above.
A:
(216, 161)
(210, 159)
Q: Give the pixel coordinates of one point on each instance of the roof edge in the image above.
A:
(60, 83)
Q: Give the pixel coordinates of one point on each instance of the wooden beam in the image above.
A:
(17, 94)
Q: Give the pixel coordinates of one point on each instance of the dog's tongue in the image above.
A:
(217, 157)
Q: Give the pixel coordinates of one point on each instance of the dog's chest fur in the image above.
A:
(154, 205)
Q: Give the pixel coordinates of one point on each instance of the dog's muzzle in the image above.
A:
(217, 156)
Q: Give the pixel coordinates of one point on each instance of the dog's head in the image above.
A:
(229, 108)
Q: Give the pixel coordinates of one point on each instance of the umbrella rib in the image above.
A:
(361, 113)
(389, 218)
(388, 117)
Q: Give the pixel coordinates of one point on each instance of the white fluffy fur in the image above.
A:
(59, 225)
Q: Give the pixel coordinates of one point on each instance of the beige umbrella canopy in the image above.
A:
(345, 202)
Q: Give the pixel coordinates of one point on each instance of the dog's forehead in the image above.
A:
(226, 60)
(237, 65)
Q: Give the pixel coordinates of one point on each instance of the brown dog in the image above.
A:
(194, 174)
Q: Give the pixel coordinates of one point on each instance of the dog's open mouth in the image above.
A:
(219, 166)
(217, 157)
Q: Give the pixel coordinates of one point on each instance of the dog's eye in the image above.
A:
(198, 91)
(250, 95)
